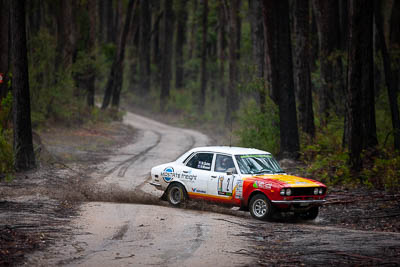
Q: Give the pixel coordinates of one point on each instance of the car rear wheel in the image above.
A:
(176, 195)
(311, 214)
(260, 207)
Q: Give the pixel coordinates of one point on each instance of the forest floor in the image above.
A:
(36, 208)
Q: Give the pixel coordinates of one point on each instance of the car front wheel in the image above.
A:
(176, 195)
(260, 207)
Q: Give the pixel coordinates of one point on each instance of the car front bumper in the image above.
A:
(291, 202)
(156, 185)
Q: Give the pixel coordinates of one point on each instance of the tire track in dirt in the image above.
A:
(139, 188)
(124, 165)
(129, 162)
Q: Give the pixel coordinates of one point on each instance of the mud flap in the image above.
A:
(164, 196)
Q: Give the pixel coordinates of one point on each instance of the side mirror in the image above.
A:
(229, 173)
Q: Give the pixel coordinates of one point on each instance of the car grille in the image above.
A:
(303, 191)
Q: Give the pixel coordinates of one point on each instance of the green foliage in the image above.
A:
(383, 171)
(54, 94)
(259, 130)
(6, 150)
(324, 156)
(331, 168)
(327, 161)
(51, 91)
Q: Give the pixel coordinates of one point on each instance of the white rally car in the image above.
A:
(245, 177)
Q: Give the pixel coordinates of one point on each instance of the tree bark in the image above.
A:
(114, 83)
(90, 76)
(395, 40)
(24, 157)
(109, 21)
(180, 41)
(368, 121)
(302, 66)
(193, 30)
(279, 55)
(156, 32)
(65, 35)
(34, 17)
(121, 54)
(167, 33)
(344, 23)
(4, 47)
(257, 34)
(221, 47)
(144, 48)
(232, 98)
(389, 77)
(327, 18)
(354, 83)
(102, 33)
(203, 71)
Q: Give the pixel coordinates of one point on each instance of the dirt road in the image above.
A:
(132, 234)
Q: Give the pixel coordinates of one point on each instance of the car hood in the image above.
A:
(288, 180)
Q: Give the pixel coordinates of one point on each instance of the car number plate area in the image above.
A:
(304, 204)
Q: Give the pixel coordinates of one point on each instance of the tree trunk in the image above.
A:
(279, 55)
(203, 71)
(344, 23)
(369, 137)
(121, 54)
(302, 66)
(327, 18)
(180, 41)
(389, 77)
(24, 157)
(231, 98)
(112, 79)
(65, 35)
(109, 21)
(4, 47)
(257, 34)
(114, 83)
(156, 32)
(90, 76)
(354, 82)
(102, 33)
(395, 40)
(144, 48)
(167, 33)
(221, 47)
(34, 16)
(193, 30)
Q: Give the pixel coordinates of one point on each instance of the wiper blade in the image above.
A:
(263, 170)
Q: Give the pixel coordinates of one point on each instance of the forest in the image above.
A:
(315, 81)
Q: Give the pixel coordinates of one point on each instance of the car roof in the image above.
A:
(229, 150)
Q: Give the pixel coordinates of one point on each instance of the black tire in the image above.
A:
(311, 214)
(176, 194)
(260, 207)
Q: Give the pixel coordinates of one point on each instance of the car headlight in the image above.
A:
(282, 192)
(288, 191)
(316, 190)
(321, 191)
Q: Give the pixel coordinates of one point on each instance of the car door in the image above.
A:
(197, 172)
(222, 180)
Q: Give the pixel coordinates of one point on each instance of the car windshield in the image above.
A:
(258, 164)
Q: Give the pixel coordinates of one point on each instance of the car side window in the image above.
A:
(224, 163)
(201, 161)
